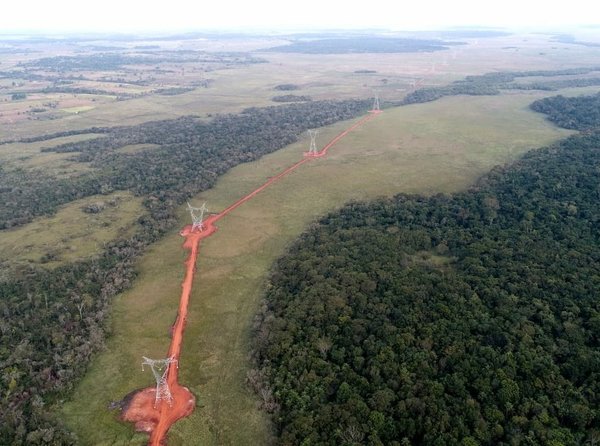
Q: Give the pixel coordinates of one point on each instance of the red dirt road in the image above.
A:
(139, 408)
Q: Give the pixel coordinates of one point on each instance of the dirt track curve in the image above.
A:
(139, 408)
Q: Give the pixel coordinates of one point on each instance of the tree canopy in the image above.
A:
(450, 320)
(493, 83)
(577, 113)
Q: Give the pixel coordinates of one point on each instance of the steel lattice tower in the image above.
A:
(197, 219)
(376, 102)
(313, 142)
(160, 369)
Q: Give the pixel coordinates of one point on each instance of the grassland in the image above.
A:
(136, 148)
(80, 109)
(71, 234)
(423, 148)
(30, 154)
(321, 77)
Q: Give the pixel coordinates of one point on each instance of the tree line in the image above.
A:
(110, 61)
(576, 113)
(494, 83)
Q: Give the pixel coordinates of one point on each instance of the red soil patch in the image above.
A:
(139, 408)
(157, 420)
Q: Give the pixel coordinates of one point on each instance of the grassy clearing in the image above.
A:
(136, 148)
(71, 234)
(30, 154)
(436, 147)
(60, 164)
(80, 109)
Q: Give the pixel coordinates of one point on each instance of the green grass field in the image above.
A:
(71, 234)
(29, 155)
(136, 148)
(436, 147)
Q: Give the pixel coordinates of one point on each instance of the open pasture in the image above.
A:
(77, 231)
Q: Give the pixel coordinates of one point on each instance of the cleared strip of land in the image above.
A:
(143, 408)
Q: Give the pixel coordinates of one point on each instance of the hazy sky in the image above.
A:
(136, 15)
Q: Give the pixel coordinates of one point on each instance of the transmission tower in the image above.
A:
(197, 216)
(312, 151)
(160, 368)
(376, 102)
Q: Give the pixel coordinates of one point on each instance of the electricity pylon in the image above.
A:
(312, 151)
(376, 102)
(197, 216)
(160, 369)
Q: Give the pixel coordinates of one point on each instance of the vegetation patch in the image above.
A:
(401, 149)
(577, 113)
(493, 83)
(291, 98)
(362, 341)
(118, 60)
(172, 91)
(80, 109)
(287, 87)
(136, 148)
(77, 231)
(362, 45)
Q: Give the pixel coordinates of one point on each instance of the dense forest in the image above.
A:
(493, 83)
(54, 320)
(470, 319)
(578, 113)
(191, 155)
(111, 61)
